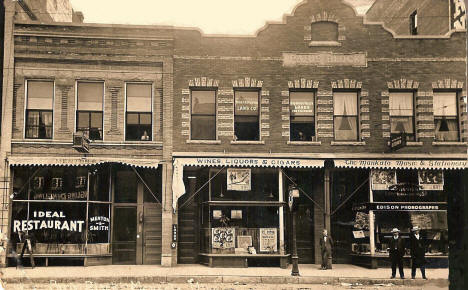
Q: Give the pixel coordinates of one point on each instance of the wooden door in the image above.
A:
(151, 240)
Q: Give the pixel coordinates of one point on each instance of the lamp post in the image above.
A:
(294, 193)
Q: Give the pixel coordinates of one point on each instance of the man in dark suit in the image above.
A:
(418, 252)
(27, 240)
(326, 244)
(397, 251)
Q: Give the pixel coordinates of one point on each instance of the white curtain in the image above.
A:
(345, 103)
(401, 104)
(445, 104)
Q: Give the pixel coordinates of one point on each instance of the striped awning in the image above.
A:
(251, 162)
(79, 161)
(401, 164)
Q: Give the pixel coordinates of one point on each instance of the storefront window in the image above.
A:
(302, 108)
(246, 115)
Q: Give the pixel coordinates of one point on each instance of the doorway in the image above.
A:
(137, 218)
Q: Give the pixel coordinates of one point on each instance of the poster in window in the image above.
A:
(431, 179)
(268, 240)
(236, 214)
(217, 214)
(383, 179)
(244, 242)
(223, 238)
(239, 179)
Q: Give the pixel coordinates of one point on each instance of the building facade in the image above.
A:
(196, 141)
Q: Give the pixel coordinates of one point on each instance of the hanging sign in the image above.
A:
(239, 179)
(383, 179)
(268, 240)
(431, 180)
(174, 233)
(223, 238)
(397, 141)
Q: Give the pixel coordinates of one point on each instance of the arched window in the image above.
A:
(324, 31)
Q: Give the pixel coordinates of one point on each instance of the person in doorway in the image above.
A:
(26, 239)
(326, 245)
(397, 251)
(418, 252)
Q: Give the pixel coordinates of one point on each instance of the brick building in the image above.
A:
(197, 140)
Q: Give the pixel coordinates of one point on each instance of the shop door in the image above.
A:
(305, 234)
(137, 225)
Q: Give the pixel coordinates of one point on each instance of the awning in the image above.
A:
(251, 162)
(79, 161)
(401, 164)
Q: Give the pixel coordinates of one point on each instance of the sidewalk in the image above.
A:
(340, 273)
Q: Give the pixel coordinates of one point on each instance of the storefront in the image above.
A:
(402, 194)
(86, 210)
(240, 205)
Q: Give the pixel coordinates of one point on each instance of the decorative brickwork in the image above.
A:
(403, 84)
(15, 107)
(324, 16)
(303, 84)
(64, 89)
(346, 84)
(203, 82)
(447, 84)
(247, 83)
(115, 92)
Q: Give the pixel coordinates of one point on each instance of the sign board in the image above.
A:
(223, 238)
(174, 232)
(407, 206)
(268, 240)
(251, 162)
(358, 234)
(239, 179)
(383, 179)
(48, 220)
(431, 179)
(401, 164)
(397, 141)
(329, 59)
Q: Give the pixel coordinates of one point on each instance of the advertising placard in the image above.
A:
(239, 179)
(268, 240)
(431, 179)
(383, 179)
(223, 238)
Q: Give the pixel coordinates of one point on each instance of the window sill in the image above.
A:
(247, 142)
(305, 143)
(348, 143)
(203, 141)
(449, 143)
(413, 144)
(324, 43)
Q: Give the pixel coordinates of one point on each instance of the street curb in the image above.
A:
(229, 279)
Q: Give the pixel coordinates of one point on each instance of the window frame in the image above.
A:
(314, 96)
(259, 114)
(413, 23)
(151, 136)
(88, 111)
(358, 114)
(458, 112)
(26, 109)
(413, 116)
(215, 89)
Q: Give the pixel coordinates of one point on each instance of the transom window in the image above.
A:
(89, 109)
(401, 106)
(446, 116)
(203, 119)
(39, 107)
(345, 116)
(139, 112)
(302, 116)
(246, 115)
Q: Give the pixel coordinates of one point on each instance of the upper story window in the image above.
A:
(345, 116)
(302, 118)
(139, 112)
(446, 116)
(324, 31)
(401, 106)
(203, 118)
(39, 108)
(414, 23)
(246, 115)
(89, 109)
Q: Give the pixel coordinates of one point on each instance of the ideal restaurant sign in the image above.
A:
(325, 59)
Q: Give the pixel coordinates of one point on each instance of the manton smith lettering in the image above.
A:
(48, 220)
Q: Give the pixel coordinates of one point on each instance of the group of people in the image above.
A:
(396, 251)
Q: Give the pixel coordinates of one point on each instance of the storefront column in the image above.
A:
(281, 212)
(327, 201)
(168, 255)
(371, 219)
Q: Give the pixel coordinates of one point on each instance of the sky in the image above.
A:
(211, 16)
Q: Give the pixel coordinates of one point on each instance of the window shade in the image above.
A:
(445, 104)
(401, 104)
(345, 103)
(40, 95)
(139, 97)
(90, 96)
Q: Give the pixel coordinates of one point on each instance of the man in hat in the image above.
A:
(326, 244)
(418, 252)
(397, 251)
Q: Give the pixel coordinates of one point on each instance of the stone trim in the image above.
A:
(447, 84)
(402, 84)
(210, 142)
(303, 84)
(346, 84)
(237, 142)
(304, 143)
(247, 82)
(203, 82)
(324, 16)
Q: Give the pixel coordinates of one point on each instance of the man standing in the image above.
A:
(26, 239)
(418, 252)
(397, 251)
(326, 244)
